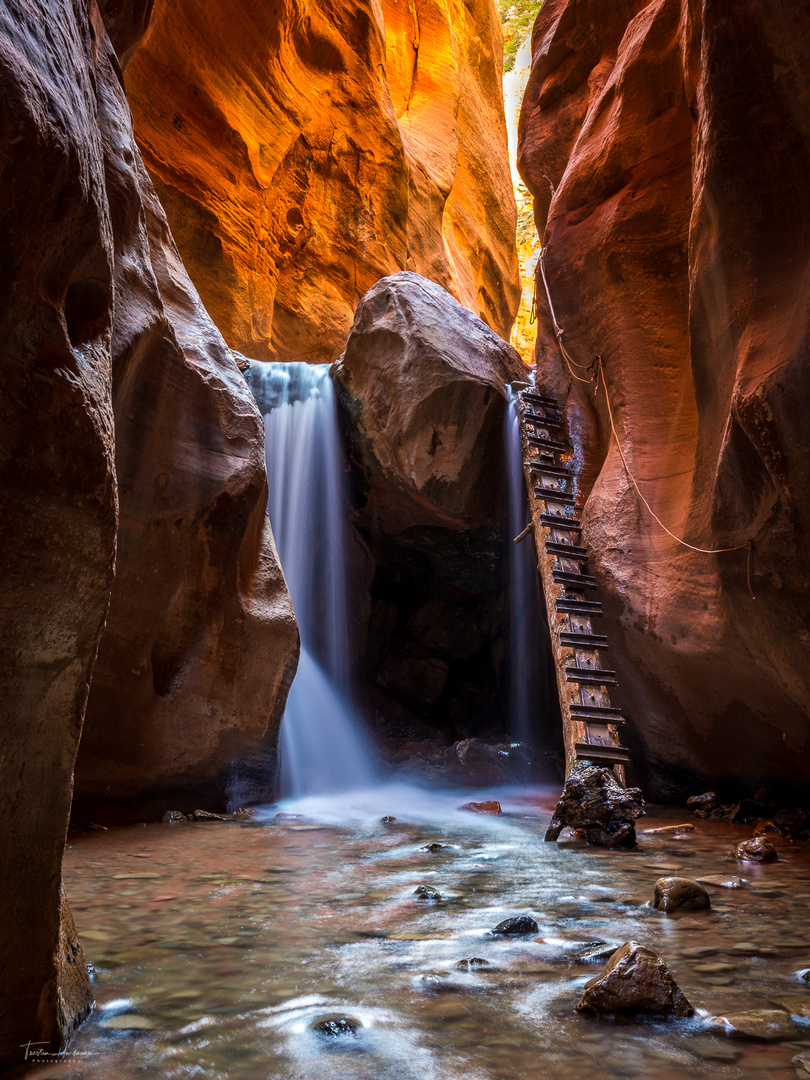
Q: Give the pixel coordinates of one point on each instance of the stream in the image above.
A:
(218, 947)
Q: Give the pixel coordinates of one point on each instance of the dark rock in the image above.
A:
(472, 962)
(795, 823)
(680, 894)
(593, 800)
(767, 828)
(594, 951)
(174, 817)
(635, 982)
(757, 850)
(424, 892)
(485, 764)
(748, 810)
(520, 924)
(387, 820)
(337, 1026)
(244, 813)
(207, 815)
(490, 807)
(771, 1025)
(435, 847)
(702, 802)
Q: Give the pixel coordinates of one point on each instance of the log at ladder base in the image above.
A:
(590, 722)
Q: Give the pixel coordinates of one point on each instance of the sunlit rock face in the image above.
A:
(668, 148)
(200, 642)
(304, 151)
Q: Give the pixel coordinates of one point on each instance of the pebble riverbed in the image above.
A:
(218, 947)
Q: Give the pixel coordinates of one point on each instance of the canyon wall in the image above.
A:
(667, 145)
(132, 493)
(302, 151)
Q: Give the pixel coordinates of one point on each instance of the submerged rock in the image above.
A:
(387, 820)
(680, 894)
(490, 807)
(801, 1063)
(759, 849)
(207, 815)
(424, 892)
(668, 829)
(722, 881)
(244, 813)
(173, 817)
(592, 800)
(336, 1027)
(595, 951)
(472, 962)
(520, 924)
(772, 1025)
(635, 982)
(434, 847)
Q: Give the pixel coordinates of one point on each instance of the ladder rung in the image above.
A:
(548, 444)
(599, 676)
(554, 495)
(607, 713)
(579, 607)
(567, 552)
(539, 399)
(617, 755)
(564, 577)
(586, 641)
(548, 468)
(542, 421)
(554, 521)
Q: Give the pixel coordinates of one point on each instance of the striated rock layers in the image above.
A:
(668, 148)
(303, 151)
(132, 491)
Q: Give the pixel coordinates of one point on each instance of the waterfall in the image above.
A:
(523, 594)
(323, 748)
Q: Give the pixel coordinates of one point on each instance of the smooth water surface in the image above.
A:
(218, 946)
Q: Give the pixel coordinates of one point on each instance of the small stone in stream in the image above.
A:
(795, 1004)
(490, 807)
(804, 975)
(472, 962)
(772, 1025)
(424, 892)
(636, 981)
(664, 829)
(592, 800)
(757, 850)
(288, 817)
(435, 847)
(680, 894)
(801, 1063)
(715, 1049)
(207, 815)
(721, 881)
(767, 828)
(596, 952)
(336, 1027)
(244, 813)
(698, 952)
(173, 817)
(702, 802)
(127, 1022)
(520, 924)
(387, 820)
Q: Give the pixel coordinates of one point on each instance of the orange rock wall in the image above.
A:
(304, 150)
(667, 144)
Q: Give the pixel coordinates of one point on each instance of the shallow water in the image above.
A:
(224, 943)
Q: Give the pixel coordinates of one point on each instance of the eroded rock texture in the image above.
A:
(668, 148)
(303, 151)
(116, 387)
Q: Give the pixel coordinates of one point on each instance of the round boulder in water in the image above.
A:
(173, 817)
(760, 849)
(337, 1027)
(424, 892)
(680, 894)
(520, 924)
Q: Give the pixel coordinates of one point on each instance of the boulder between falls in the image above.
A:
(636, 981)
(592, 800)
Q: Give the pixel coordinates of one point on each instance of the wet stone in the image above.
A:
(771, 1025)
(244, 813)
(434, 847)
(127, 1022)
(795, 1004)
(680, 894)
(714, 1049)
(597, 951)
(173, 817)
(702, 802)
(801, 1063)
(721, 881)
(665, 830)
(635, 982)
(207, 815)
(520, 924)
(336, 1027)
(489, 807)
(424, 892)
(388, 819)
(760, 849)
(471, 962)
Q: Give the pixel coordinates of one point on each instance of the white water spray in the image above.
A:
(323, 748)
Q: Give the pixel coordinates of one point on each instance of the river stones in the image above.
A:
(680, 894)
(635, 982)
(471, 962)
(795, 1004)
(434, 847)
(801, 1063)
(336, 1027)
(759, 849)
(721, 881)
(207, 815)
(489, 807)
(771, 1025)
(244, 813)
(665, 830)
(596, 951)
(424, 892)
(594, 802)
(702, 802)
(174, 817)
(389, 819)
(520, 924)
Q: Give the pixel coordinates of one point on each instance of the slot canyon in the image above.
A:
(406, 616)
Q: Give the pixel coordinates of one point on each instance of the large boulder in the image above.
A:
(592, 800)
(302, 151)
(671, 196)
(636, 982)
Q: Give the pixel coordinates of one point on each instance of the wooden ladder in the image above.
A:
(590, 722)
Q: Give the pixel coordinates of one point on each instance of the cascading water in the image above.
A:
(523, 594)
(323, 748)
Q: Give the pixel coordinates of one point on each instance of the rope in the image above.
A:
(598, 364)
